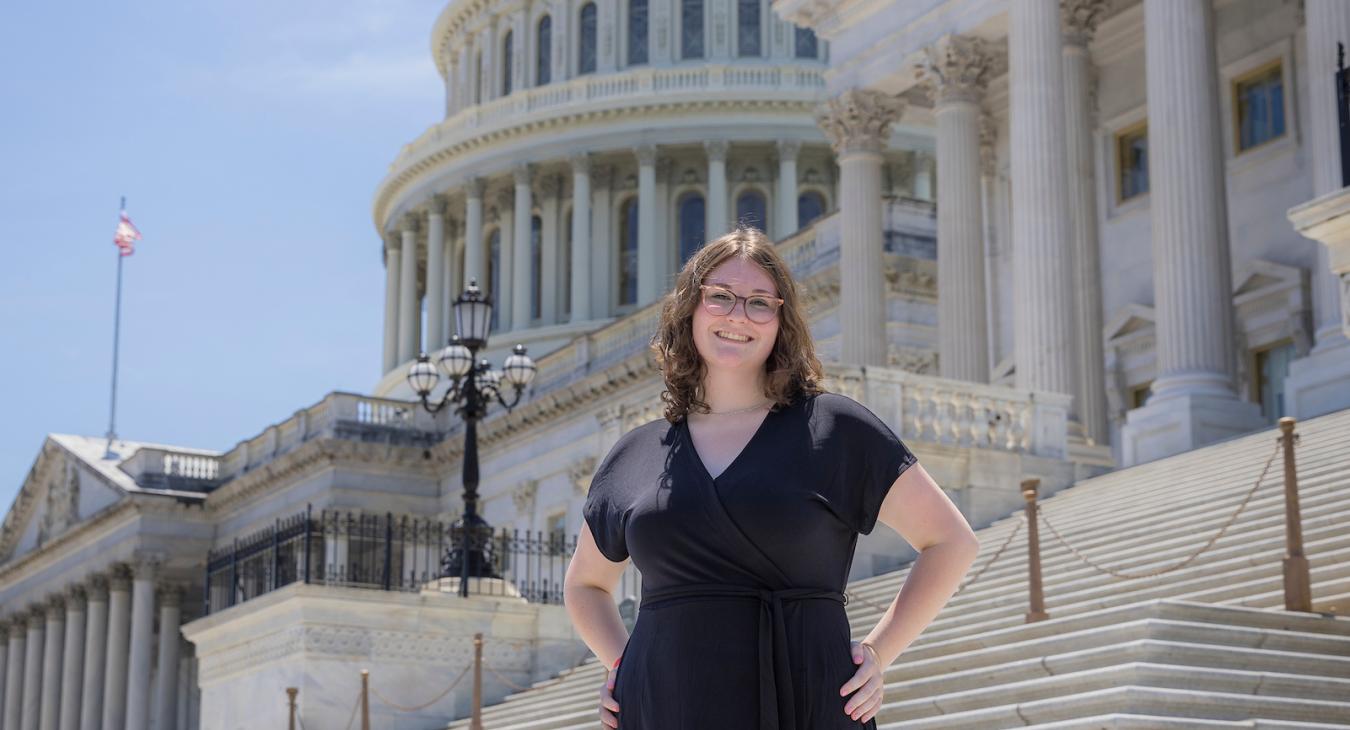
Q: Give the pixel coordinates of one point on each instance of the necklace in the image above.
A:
(739, 410)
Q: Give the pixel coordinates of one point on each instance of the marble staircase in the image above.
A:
(1207, 645)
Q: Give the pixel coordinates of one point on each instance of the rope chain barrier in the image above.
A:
(355, 707)
(1022, 520)
(580, 660)
(418, 708)
(1208, 544)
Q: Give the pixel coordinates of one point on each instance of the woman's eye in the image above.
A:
(722, 297)
(758, 303)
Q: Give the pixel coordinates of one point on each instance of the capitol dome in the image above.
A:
(588, 149)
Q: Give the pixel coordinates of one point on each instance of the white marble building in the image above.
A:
(1092, 310)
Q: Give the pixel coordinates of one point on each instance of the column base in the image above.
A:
(1319, 383)
(1172, 425)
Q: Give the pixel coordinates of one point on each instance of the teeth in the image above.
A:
(735, 338)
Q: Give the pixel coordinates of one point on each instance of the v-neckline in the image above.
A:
(703, 467)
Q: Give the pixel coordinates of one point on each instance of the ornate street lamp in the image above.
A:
(474, 385)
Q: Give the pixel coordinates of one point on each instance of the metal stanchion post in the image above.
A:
(1037, 612)
(477, 722)
(1297, 583)
(290, 695)
(365, 699)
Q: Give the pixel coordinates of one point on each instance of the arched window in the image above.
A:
(586, 48)
(691, 28)
(805, 42)
(494, 273)
(462, 284)
(478, 78)
(566, 255)
(628, 251)
(637, 32)
(691, 211)
(747, 25)
(506, 64)
(750, 209)
(543, 48)
(536, 267)
(810, 206)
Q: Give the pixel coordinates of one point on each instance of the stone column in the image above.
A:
(549, 188)
(95, 655)
(957, 71)
(409, 311)
(581, 237)
(436, 310)
(648, 270)
(166, 681)
(52, 653)
(504, 300)
(602, 241)
(72, 662)
(474, 255)
(119, 633)
(521, 290)
(142, 641)
(1080, 19)
(857, 123)
(1193, 401)
(716, 208)
(392, 246)
(1328, 21)
(32, 669)
(1042, 270)
(786, 196)
(14, 671)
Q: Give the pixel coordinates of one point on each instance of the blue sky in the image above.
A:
(248, 138)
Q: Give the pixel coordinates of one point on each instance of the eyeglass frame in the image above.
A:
(745, 302)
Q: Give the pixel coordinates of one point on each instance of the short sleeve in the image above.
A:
(602, 511)
(871, 457)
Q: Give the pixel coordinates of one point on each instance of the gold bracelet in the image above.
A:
(875, 658)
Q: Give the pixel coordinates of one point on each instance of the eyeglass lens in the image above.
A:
(720, 302)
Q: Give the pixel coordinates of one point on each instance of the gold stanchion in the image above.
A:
(1037, 612)
(365, 699)
(1297, 583)
(290, 696)
(477, 722)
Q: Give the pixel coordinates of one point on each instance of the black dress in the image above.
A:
(742, 623)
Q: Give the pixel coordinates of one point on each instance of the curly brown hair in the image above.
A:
(792, 367)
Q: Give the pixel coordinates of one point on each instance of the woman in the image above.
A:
(742, 508)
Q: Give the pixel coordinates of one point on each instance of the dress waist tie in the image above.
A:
(776, 708)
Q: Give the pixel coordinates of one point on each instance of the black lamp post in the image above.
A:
(474, 385)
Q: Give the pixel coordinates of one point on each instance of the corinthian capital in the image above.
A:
(858, 120)
(1080, 18)
(956, 68)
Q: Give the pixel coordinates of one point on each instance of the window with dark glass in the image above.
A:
(747, 28)
(691, 28)
(1132, 162)
(543, 48)
(810, 206)
(494, 273)
(586, 46)
(637, 32)
(691, 211)
(750, 209)
(478, 78)
(1259, 105)
(628, 249)
(1272, 368)
(506, 64)
(536, 267)
(805, 42)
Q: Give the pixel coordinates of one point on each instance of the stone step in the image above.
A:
(1190, 702)
(1125, 721)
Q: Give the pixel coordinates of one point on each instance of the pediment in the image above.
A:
(1258, 278)
(60, 491)
(1129, 320)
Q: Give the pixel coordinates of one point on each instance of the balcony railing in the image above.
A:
(380, 552)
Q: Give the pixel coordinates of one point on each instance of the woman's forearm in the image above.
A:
(935, 576)
(597, 619)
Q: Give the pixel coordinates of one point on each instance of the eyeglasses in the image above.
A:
(719, 301)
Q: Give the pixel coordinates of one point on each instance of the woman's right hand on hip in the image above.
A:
(609, 707)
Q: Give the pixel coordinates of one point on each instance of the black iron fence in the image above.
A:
(383, 552)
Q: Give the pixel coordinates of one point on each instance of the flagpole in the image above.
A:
(117, 323)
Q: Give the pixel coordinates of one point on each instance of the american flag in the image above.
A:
(126, 235)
